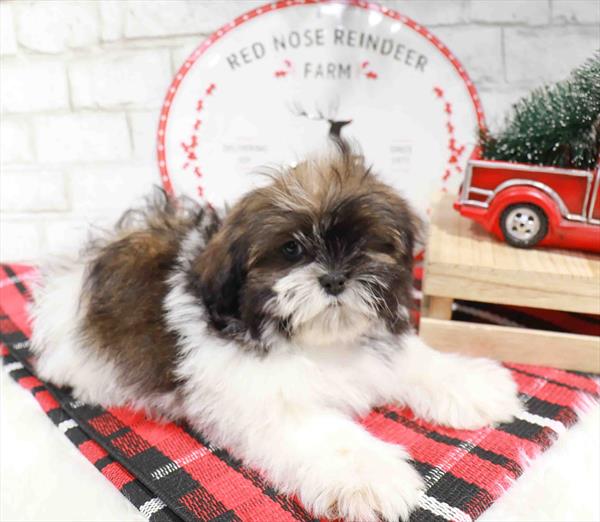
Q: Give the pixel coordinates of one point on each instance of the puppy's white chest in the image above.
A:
(352, 378)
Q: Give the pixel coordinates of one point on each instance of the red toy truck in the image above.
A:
(528, 205)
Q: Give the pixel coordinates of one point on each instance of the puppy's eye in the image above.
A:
(388, 247)
(292, 250)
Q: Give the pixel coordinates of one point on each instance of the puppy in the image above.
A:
(270, 330)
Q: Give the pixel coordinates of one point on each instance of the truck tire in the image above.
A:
(523, 225)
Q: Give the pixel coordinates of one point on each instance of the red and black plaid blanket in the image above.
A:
(172, 473)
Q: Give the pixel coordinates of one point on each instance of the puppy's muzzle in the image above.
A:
(333, 283)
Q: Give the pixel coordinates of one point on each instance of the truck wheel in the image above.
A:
(523, 225)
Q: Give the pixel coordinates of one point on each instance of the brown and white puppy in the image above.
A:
(269, 330)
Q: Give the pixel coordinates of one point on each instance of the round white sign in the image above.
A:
(269, 88)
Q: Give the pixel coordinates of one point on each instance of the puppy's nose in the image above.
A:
(333, 283)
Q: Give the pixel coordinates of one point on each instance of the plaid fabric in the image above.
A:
(170, 472)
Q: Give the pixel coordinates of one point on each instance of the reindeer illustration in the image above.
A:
(335, 126)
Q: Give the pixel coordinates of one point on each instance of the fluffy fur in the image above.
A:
(269, 330)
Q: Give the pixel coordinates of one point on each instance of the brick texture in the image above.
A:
(55, 26)
(432, 12)
(528, 55)
(105, 191)
(112, 18)
(50, 192)
(576, 11)
(82, 83)
(144, 125)
(459, 40)
(15, 142)
(82, 137)
(8, 39)
(93, 79)
(530, 12)
(33, 85)
(176, 17)
(21, 240)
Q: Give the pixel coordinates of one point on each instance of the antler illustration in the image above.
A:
(335, 126)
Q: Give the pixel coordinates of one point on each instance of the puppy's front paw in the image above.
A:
(368, 485)
(468, 394)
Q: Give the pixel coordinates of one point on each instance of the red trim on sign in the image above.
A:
(191, 148)
(282, 4)
(454, 151)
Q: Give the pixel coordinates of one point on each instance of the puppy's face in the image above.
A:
(319, 256)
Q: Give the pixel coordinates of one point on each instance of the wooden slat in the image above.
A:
(520, 345)
(489, 286)
(438, 307)
(463, 261)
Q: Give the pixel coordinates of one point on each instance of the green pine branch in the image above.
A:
(557, 125)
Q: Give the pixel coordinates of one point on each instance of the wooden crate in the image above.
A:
(463, 261)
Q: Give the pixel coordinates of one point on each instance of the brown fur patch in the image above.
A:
(125, 288)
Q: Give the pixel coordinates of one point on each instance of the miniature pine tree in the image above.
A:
(556, 125)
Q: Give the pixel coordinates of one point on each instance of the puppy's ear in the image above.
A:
(412, 228)
(408, 227)
(220, 276)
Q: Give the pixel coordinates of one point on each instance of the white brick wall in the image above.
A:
(530, 12)
(15, 144)
(143, 19)
(8, 39)
(81, 137)
(77, 141)
(550, 54)
(50, 192)
(142, 75)
(56, 26)
(33, 85)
